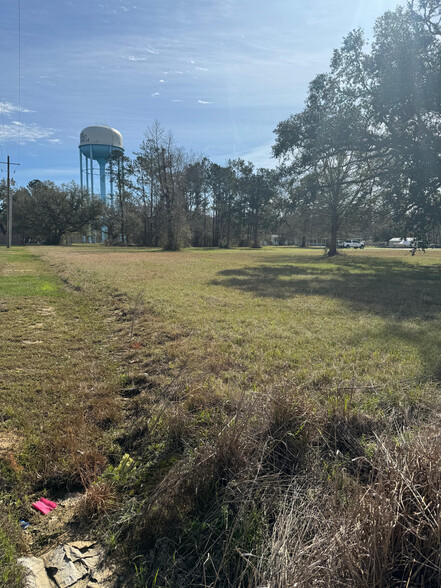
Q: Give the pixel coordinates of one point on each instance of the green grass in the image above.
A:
(22, 275)
(12, 286)
(11, 575)
(57, 392)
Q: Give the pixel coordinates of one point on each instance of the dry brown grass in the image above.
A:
(100, 499)
(346, 533)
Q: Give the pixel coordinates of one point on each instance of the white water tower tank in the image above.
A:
(96, 144)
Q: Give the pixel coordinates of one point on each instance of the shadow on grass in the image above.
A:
(388, 287)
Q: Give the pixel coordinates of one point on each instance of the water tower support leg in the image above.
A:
(81, 170)
(111, 190)
(91, 171)
(102, 164)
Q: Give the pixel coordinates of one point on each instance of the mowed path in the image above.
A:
(57, 377)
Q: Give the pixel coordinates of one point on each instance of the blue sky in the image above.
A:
(220, 74)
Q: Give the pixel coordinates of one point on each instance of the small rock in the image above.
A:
(70, 499)
(56, 558)
(66, 566)
(83, 583)
(102, 576)
(70, 574)
(77, 565)
(36, 572)
(92, 562)
(73, 553)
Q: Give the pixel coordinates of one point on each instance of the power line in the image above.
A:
(3, 102)
(19, 80)
(4, 128)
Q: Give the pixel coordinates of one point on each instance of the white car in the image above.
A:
(355, 243)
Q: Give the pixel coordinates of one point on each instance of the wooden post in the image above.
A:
(9, 205)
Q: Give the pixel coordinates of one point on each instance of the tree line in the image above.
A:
(363, 155)
(163, 196)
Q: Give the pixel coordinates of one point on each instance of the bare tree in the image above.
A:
(168, 167)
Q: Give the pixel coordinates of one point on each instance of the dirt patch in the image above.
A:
(48, 311)
(64, 552)
(9, 443)
(45, 531)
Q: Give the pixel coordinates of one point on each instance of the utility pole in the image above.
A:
(9, 205)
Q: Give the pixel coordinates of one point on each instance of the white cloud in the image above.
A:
(202, 68)
(54, 140)
(177, 100)
(204, 102)
(133, 58)
(24, 133)
(261, 156)
(9, 108)
(156, 94)
(151, 51)
(162, 81)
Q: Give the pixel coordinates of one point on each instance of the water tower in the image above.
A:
(97, 144)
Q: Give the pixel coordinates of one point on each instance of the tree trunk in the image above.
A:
(123, 228)
(334, 230)
(228, 223)
(166, 182)
(204, 240)
(151, 241)
(256, 244)
(145, 225)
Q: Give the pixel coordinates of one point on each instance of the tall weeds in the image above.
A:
(287, 495)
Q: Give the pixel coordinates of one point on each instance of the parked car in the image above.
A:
(401, 242)
(355, 243)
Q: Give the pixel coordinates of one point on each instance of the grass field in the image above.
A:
(280, 316)
(259, 392)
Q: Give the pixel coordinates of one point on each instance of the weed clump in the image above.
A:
(100, 499)
(383, 532)
(287, 494)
